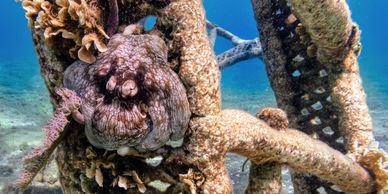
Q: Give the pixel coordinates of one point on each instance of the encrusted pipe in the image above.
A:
(337, 39)
(238, 132)
(267, 177)
(329, 25)
(198, 67)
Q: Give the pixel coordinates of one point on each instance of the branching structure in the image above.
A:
(197, 166)
(242, 50)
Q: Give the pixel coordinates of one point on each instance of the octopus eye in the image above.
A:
(103, 70)
(111, 84)
(129, 89)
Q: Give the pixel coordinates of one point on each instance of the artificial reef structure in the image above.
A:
(140, 111)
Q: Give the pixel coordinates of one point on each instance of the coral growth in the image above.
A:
(238, 132)
(78, 21)
(267, 177)
(198, 67)
(376, 161)
(130, 97)
(274, 117)
(312, 66)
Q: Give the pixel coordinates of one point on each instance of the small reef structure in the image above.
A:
(140, 111)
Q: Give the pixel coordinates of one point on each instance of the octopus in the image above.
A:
(128, 98)
(130, 95)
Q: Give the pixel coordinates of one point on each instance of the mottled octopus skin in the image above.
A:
(130, 95)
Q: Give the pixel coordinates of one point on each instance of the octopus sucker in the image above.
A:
(131, 96)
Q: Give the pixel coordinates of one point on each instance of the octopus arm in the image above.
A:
(54, 131)
(178, 108)
(172, 91)
(159, 133)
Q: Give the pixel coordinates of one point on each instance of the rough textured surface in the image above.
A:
(77, 24)
(319, 89)
(199, 165)
(329, 26)
(275, 58)
(198, 68)
(274, 117)
(90, 170)
(338, 44)
(267, 178)
(52, 64)
(376, 159)
(238, 132)
(131, 97)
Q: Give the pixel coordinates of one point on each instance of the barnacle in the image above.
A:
(99, 177)
(82, 23)
(135, 177)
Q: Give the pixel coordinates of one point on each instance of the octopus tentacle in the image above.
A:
(159, 133)
(180, 117)
(113, 18)
(54, 131)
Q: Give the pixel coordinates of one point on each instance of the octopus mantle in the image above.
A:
(130, 97)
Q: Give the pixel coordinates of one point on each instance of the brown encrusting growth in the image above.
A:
(198, 68)
(330, 28)
(81, 22)
(274, 117)
(238, 132)
(376, 160)
(132, 102)
(266, 178)
(337, 41)
(310, 52)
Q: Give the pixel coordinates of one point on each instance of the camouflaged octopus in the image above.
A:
(128, 98)
(130, 95)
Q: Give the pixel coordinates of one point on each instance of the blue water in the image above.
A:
(24, 102)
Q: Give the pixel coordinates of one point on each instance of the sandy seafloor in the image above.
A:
(25, 107)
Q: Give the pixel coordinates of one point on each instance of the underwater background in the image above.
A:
(25, 105)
